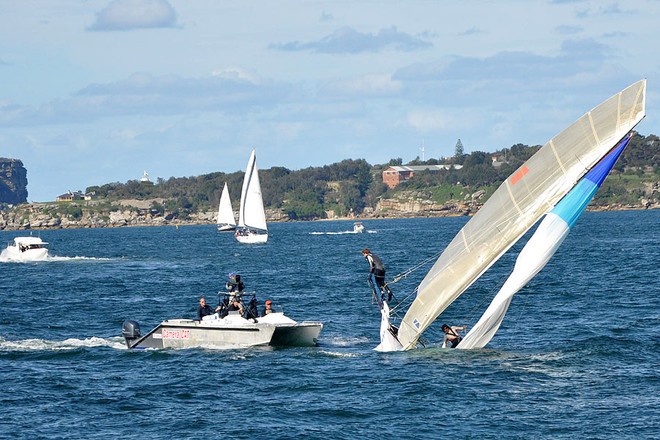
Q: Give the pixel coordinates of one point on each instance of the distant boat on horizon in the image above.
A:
(226, 220)
(252, 226)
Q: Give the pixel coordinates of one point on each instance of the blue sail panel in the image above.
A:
(576, 201)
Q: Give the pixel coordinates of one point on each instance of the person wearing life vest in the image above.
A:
(377, 270)
(452, 335)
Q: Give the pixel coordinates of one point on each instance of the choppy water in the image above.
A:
(577, 356)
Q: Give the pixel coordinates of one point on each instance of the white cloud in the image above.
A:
(123, 15)
(348, 40)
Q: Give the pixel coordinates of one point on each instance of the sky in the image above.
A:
(99, 91)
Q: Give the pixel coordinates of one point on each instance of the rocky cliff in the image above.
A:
(13, 181)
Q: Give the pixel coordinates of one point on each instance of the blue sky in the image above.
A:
(98, 91)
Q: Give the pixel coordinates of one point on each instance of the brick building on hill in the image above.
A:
(394, 175)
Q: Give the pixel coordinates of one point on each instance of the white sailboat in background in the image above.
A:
(252, 226)
(532, 191)
(226, 220)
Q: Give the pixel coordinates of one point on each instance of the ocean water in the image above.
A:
(577, 357)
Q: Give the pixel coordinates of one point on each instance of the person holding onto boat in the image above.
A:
(377, 270)
(268, 308)
(452, 335)
(203, 309)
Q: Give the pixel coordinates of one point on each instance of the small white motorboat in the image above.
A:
(26, 249)
(358, 227)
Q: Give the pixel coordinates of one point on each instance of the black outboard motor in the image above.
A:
(130, 331)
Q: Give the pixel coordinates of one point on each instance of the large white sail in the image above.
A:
(534, 189)
(226, 220)
(252, 217)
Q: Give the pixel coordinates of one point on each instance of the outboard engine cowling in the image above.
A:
(130, 331)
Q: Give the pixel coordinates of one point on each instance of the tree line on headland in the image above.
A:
(350, 188)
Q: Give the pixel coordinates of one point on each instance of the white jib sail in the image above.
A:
(535, 255)
(225, 212)
(252, 214)
(519, 203)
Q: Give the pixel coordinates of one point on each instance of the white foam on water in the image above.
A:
(67, 344)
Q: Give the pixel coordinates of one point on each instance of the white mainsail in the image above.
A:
(525, 196)
(252, 217)
(226, 220)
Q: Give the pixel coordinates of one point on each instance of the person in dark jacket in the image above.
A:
(203, 309)
(377, 270)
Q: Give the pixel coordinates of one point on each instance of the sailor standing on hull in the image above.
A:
(377, 270)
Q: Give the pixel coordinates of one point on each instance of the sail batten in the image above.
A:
(518, 204)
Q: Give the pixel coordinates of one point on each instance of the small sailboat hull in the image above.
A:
(252, 238)
(226, 228)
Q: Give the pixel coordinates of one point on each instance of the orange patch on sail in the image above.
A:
(519, 174)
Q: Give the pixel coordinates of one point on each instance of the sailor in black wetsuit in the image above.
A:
(203, 309)
(377, 269)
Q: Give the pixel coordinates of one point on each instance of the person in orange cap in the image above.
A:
(268, 308)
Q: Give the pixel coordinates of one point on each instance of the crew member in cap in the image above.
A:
(268, 308)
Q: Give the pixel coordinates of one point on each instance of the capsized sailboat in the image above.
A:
(252, 226)
(525, 196)
(540, 248)
(226, 220)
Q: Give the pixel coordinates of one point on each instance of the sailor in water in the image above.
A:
(377, 269)
(452, 335)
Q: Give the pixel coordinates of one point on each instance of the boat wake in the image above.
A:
(341, 233)
(5, 259)
(67, 344)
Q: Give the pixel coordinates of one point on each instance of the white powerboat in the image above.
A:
(358, 227)
(26, 249)
(228, 330)
(232, 331)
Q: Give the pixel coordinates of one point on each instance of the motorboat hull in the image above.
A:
(304, 334)
(188, 333)
(290, 333)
